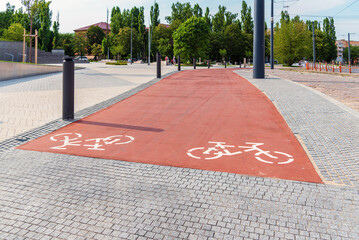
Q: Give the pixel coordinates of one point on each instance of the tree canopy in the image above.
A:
(191, 39)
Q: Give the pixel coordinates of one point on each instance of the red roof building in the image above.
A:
(102, 25)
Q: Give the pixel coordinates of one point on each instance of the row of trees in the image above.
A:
(293, 40)
(190, 32)
(37, 15)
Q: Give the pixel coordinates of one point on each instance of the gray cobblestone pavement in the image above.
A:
(329, 129)
(45, 196)
(55, 196)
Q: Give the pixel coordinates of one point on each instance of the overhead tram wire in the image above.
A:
(346, 7)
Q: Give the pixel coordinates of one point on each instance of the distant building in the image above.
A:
(341, 44)
(104, 26)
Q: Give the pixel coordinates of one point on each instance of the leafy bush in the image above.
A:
(121, 62)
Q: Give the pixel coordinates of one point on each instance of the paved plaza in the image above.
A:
(31, 102)
(57, 196)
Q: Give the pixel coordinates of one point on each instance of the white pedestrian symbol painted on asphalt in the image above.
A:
(220, 149)
(74, 139)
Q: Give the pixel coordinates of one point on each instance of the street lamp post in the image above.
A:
(272, 36)
(258, 46)
(314, 60)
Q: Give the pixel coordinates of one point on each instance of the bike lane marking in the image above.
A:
(188, 110)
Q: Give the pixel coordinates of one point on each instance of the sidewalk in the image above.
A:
(31, 102)
(57, 196)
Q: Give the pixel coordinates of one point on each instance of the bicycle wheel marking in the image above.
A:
(220, 149)
(97, 144)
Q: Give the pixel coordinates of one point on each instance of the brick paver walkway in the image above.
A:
(31, 102)
(343, 88)
(52, 196)
(329, 129)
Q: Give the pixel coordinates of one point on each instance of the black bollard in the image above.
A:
(194, 63)
(225, 64)
(158, 65)
(68, 92)
(179, 63)
(240, 64)
(209, 63)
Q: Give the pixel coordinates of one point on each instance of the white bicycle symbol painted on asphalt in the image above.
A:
(220, 149)
(74, 139)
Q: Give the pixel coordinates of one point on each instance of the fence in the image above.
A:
(332, 67)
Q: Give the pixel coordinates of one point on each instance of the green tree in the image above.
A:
(67, 42)
(96, 50)
(222, 19)
(56, 26)
(94, 35)
(197, 10)
(354, 54)
(291, 40)
(116, 20)
(180, 13)
(246, 18)
(234, 41)
(44, 16)
(80, 44)
(14, 32)
(124, 41)
(208, 18)
(162, 40)
(6, 18)
(105, 46)
(30, 6)
(191, 39)
(21, 17)
(223, 53)
(218, 20)
(155, 13)
(330, 38)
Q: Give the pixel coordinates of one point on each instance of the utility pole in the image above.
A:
(258, 45)
(149, 43)
(314, 60)
(108, 49)
(272, 36)
(131, 35)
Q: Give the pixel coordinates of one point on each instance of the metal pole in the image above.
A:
(258, 45)
(209, 63)
(36, 44)
(349, 49)
(225, 64)
(194, 63)
(314, 60)
(24, 46)
(68, 92)
(158, 65)
(131, 37)
(149, 44)
(179, 62)
(272, 37)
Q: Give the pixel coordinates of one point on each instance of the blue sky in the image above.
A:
(79, 13)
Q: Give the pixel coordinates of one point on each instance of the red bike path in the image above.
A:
(201, 119)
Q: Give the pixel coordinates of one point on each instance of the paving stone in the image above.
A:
(107, 199)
